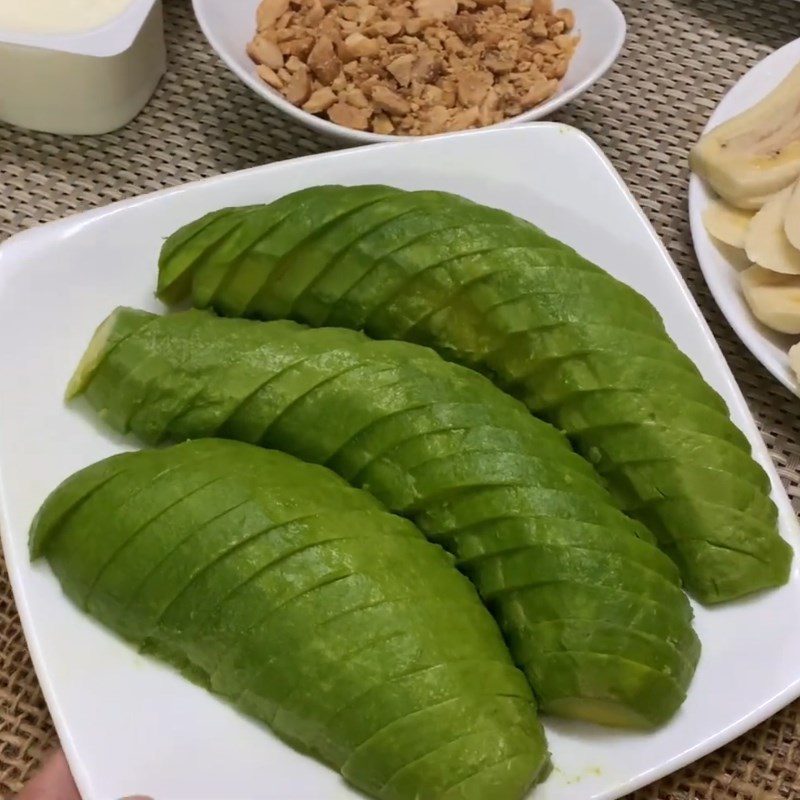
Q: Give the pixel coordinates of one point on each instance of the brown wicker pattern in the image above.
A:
(680, 57)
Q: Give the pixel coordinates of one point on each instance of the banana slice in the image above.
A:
(757, 153)
(794, 359)
(773, 298)
(726, 223)
(791, 220)
(766, 242)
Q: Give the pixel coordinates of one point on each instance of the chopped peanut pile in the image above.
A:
(413, 68)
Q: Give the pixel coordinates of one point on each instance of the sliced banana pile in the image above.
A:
(752, 162)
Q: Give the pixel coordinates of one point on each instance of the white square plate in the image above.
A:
(130, 725)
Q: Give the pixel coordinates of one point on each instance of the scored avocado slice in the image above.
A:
(497, 501)
(451, 440)
(347, 294)
(385, 221)
(347, 622)
(577, 294)
(72, 494)
(454, 717)
(234, 251)
(276, 240)
(581, 601)
(83, 564)
(377, 700)
(608, 407)
(501, 491)
(574, 686)
(516, 532)
(485, 289)
(264, 668)
(319, 260)
(391, 274)
(189, 607)
(110, 334)
(303, 258)
(180, 254)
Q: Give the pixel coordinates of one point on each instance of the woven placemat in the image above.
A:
(681, 55)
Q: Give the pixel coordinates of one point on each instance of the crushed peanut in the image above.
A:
(413, 67)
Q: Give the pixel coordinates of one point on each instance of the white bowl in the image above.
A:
(719, 265)
(230, 25)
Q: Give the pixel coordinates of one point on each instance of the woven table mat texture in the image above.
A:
(679, 59)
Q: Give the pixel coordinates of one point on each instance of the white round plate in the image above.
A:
(719, 264)
(230, 25)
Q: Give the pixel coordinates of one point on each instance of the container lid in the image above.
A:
(110, 39)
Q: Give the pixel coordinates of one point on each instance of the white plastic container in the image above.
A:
(86, 82)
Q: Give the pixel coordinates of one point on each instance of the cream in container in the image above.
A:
(78, 66)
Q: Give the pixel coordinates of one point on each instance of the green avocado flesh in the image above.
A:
(582, 350)
(592, 609)
(304, 603)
